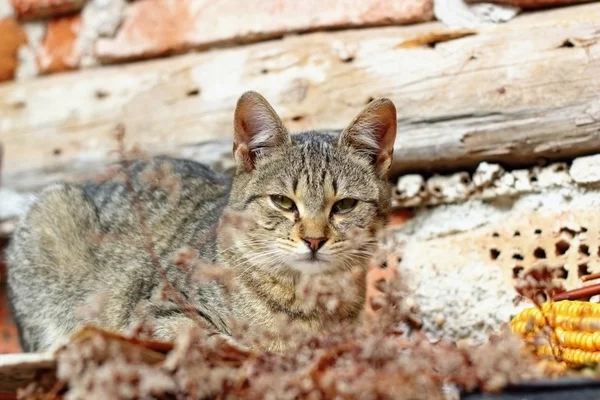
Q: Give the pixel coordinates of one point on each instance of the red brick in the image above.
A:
(376, 274)
(59, 51)
(156, 27)
(34, 9)
(9, 337)
(399, 216)
(13, 37)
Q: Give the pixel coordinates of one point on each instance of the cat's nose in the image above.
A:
(314, 243)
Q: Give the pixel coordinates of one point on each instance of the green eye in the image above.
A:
(343, 206)
(285, 203)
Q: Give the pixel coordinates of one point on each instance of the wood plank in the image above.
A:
(510, 93)
(21, 368)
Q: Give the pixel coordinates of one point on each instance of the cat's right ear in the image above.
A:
(373, 133)
(257, 129)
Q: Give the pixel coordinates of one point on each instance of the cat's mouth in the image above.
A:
(311, 263)
(313, 257)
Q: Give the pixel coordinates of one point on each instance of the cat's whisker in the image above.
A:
(257, 257)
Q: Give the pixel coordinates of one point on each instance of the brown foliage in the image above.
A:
(384, 357)
(376, 360)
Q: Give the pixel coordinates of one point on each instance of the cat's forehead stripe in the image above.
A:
(315, 170)
(316, 178)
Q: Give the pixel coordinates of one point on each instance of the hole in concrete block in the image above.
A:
(495, 234)
(562, 273)
(381, 284)
(541, 297)
(375, 304)
(561, 247)
(566, 232)
(465, 179)
(518, 256)
(494, 254)
(517, 233)
(539, 253)
(538, 231)
(584, 249)
(582, 270)
(517, 270)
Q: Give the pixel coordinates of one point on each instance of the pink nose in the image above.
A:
(314, 243)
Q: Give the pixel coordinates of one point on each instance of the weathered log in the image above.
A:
(513, 93)
(17, 370)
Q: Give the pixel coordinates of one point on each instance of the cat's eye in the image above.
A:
(282, 202)
(343, 206)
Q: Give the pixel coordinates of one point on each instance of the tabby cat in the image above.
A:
(316, 202)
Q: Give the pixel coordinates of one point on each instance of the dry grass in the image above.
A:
(384, 357)
(380, 359)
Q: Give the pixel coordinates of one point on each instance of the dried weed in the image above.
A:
(384, 357)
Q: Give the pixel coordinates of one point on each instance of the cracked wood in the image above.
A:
(513, 93)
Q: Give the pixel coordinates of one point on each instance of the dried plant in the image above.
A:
(539, 285)
(383, 357)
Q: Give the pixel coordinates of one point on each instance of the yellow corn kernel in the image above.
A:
(589, 341)
(570, 356)
(575, 333)
(571, 315)
(523, 327)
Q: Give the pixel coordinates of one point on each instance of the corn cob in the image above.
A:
(574, 334)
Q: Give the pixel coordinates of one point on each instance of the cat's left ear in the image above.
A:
(257, 130)
(373, 133)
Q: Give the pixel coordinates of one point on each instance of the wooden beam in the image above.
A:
(511, 93)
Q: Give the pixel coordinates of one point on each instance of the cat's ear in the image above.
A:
(257, 129)
(373, 133)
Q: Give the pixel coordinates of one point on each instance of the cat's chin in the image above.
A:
(311, 267)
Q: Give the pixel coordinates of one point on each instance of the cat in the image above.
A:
(316, 202)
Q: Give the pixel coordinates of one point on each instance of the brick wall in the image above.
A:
(8, 333)
(48, 36)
